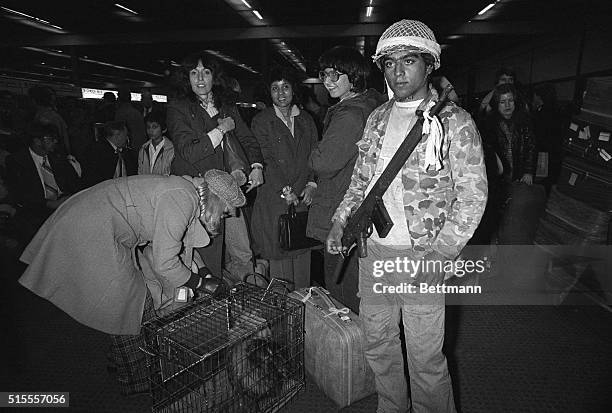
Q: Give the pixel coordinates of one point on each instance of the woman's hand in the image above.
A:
(239, 177)
(527, 179)
(256, 178)
(307, 194)
(500, 165)
(226, 124)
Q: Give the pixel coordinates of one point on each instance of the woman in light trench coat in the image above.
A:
(82, 258)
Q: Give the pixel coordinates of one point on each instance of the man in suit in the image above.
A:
(110, 157)
(39, 181)
(132, 118)
(148, 105)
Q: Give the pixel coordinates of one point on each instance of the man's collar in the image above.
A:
(161, 143)
(432, 96)
(35, 156)
(115, 147)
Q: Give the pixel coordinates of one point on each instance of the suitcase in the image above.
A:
(334, 348)
(568, 221)
(589, 141)
(597, 101)
(586, 182)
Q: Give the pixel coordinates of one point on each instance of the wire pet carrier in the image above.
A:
(244, 353)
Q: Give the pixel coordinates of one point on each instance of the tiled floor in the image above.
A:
(502, 358)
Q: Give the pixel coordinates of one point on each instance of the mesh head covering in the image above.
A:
(408, 34)
(225, 187)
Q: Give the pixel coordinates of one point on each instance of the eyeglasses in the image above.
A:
(332, 74)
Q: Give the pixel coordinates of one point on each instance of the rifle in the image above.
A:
(372, 210)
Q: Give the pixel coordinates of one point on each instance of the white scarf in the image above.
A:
(435, 140)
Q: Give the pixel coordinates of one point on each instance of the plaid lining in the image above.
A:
(132, 372)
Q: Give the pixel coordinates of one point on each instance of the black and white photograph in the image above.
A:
(261, 206)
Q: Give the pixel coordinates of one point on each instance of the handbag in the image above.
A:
(292, 230)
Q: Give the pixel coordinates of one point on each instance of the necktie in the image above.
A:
(120, 168)
(51, 189)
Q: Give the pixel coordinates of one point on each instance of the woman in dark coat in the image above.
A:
(286, 135)
(510, 142)
(208, 133)
(510, 136)
(343, 72)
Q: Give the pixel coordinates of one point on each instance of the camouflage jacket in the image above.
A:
(443, 208)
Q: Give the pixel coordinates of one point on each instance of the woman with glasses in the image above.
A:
(343, 73)
(286, 135)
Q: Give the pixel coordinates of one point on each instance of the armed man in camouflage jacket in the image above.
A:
(436, 203)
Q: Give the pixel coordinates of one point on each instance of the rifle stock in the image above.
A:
(372, 210)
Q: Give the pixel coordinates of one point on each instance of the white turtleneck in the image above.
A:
(401, 120)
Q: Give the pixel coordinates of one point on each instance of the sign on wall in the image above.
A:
(89, 93)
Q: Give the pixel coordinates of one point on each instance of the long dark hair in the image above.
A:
(520, 117)
(181, 86)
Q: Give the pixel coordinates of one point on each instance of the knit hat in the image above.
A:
(225, 187)
(408, 34)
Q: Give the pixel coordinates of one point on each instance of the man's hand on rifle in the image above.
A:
(334, 239)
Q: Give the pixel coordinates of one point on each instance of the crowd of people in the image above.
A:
(164, 186)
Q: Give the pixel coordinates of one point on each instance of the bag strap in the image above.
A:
(291, 211)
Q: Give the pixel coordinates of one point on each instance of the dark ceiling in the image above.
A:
(109, 44)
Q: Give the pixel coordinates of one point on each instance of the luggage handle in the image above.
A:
(331, 307)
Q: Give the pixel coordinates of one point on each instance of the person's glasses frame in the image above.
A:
(332, 74)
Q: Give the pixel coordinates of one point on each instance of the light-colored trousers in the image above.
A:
(238, 260)
(423, 322)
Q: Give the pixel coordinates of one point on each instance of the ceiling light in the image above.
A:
(231, 60)
(61, 69)
(126, 9)
(486, 9)
(256, 13)
(246, 3)
(87, 60)
(369, 11)
(31, 18)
